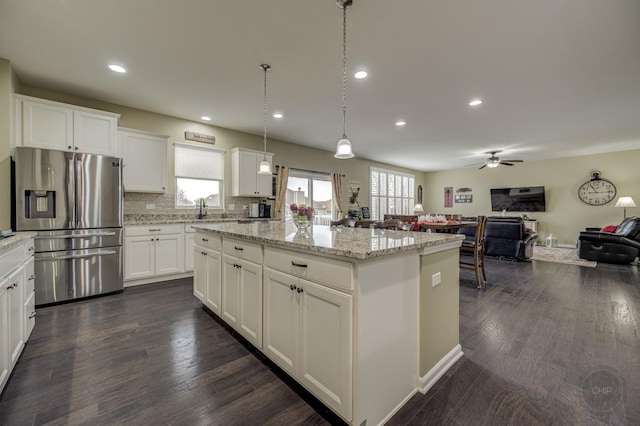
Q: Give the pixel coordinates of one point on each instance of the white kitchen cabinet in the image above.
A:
(5, 364)
(242, 288)
(16, 304)
(207, 274)
(242, 297)
(95, 132)
(307, 332)
(44, 125)
(151, 251)
(189, 259)
(29, 298)
(144, 156)
(41, 123)
(15, 292)
(245, 180)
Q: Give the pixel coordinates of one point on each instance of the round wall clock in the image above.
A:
(597, 191)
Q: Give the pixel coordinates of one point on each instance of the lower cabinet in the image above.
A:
(153, 250)
(17, 305)
(5, 364)
(207, 277)
(15, 299)
(242, 297)
(307, 332)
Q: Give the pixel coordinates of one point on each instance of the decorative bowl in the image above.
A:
(302, 217)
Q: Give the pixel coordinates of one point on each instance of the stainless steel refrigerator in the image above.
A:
(74, 202)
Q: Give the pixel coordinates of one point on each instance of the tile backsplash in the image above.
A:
(136, 203)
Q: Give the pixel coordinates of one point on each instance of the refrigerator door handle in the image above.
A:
(60, 237)
(76, 256)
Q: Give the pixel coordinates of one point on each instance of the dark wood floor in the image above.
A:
(153, 356)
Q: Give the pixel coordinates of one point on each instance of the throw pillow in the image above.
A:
(609, 228)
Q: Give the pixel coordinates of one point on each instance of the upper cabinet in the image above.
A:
(53, 125)
(144, 156)
(245, 180)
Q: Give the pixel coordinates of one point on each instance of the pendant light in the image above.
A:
(265, 166)
(343, 149)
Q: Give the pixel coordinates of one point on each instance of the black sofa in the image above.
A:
(507, 237)
(622, 246)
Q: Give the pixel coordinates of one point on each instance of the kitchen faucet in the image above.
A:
(202, 213)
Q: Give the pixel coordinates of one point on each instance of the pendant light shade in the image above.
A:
(343, 148)
(265, 166)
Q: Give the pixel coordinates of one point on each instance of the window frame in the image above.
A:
(221, 152)
(410, 198)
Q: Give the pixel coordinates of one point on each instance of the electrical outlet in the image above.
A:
(151, 206)
(436, 279)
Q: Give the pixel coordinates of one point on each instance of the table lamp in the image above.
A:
(625, 202)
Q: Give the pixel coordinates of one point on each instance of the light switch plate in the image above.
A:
(436, 279)
(151, 206)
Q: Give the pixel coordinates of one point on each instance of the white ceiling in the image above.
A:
(558, 78)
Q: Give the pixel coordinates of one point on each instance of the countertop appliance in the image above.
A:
(74, 202)
(254, 210)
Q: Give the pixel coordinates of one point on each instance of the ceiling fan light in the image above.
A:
(343, 149)
(264, 168)
(493, 165)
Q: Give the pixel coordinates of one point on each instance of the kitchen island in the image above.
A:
(362, 318)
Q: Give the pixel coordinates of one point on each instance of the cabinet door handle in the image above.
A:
(238, 248)
(300, 265)
(33, 315)
(205, 253)
(299, 290)
(155, 230)
(32, 277)
(76, 148)
(292, 287)
(69, 147)
(30, 248)
(152, 239)
(205, 239)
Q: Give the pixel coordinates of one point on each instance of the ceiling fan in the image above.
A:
(494, 161)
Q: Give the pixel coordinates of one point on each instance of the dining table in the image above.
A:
(449, 227)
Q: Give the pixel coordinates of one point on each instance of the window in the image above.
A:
(199, 175)
(313, 189)
(391, 193)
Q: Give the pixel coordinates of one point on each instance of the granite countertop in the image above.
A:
(169, 221)
(16, 239)
(357, 243)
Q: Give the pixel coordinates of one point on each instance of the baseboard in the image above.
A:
(157, 279)
(428, 380)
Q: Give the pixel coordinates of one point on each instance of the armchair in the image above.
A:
(507, 237)
(622, 246)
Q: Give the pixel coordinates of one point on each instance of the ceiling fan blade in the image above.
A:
(513, 161)
(506, 164)
(475, 164)
(482, 167)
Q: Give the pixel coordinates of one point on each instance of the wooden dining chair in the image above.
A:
(472, 253)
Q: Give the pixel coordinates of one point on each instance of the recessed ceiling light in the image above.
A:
(400, 123)
(205, 118)
(360, 75)
(117, 68)
(277, 115)
(475, 102)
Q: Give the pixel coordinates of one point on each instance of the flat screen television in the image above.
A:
(522, 199)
